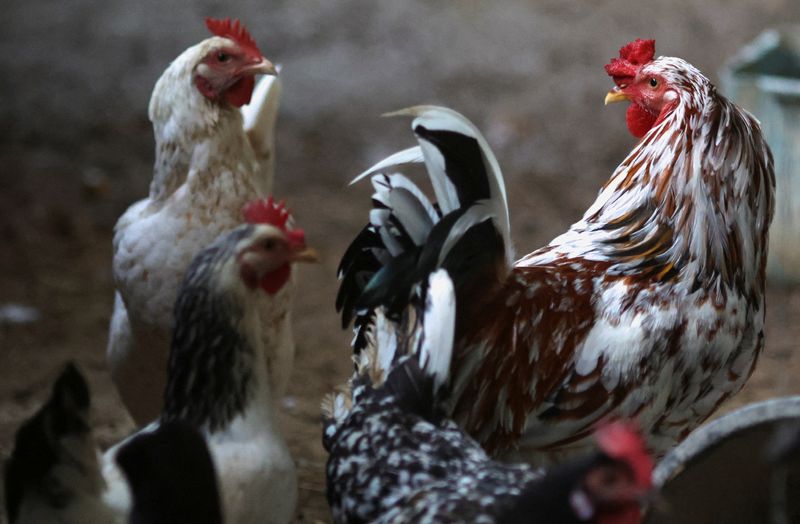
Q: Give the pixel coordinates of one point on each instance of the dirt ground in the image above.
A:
(56, 260)
(76, 150)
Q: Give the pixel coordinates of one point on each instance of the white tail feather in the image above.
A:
(443, 188)
(476, 214)
(386, 342)
(412, 155)
(439, 324)
(445, 119)
(407, 203)
(380, 219)
(435, 118)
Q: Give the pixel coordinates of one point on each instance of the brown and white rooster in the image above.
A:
(650, 307)
(213, 155)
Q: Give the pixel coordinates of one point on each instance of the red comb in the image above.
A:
(631, 56)
(266, 211)
(235, 31)
(622, 441)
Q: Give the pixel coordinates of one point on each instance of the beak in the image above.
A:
(261, 67)
(306, 254)
(615, 95)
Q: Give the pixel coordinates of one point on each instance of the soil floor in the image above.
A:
(56, 259)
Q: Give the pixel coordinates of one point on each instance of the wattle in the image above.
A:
(274, 281)
(240, 92)
(639, 120)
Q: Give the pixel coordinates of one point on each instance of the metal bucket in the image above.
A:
(723, 472)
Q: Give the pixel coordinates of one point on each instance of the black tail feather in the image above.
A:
(358, 266)
(470, 239)
(463, 163)
(415, 390)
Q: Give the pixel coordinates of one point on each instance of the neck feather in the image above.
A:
(189, 129)
(216, 366)
(694, 195)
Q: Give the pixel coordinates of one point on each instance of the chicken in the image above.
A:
(217, 380)
(394, 457)
(209, 163)
(171, 477)
(651, 306)
(53, 474)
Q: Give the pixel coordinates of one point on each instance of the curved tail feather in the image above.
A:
(409, 359)
(466, 231)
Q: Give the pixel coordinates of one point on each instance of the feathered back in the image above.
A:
(409, 359)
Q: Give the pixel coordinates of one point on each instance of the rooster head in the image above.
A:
(613, 489)
(265, 257)
(647, 88)
(226, 72)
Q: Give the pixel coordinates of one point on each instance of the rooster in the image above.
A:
(394, 457)
(213, 155)
(217, 382)
(649, 307)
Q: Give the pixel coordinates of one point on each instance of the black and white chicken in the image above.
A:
(217, 382)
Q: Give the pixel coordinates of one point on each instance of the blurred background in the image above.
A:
(76, 149)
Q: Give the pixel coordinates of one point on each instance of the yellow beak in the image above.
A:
(615, 95)
(263, 67)
(306, 255)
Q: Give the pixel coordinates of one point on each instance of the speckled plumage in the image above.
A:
(389, 465)
(395, 457)
(651, 306)
(209, 164)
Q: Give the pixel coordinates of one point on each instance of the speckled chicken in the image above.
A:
(650, 306)
(213, 155)
(395, 457)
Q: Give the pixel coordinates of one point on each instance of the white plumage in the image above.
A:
(210, 161)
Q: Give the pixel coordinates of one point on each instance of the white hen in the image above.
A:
(209, 163)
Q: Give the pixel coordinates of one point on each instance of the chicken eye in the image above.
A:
(223, 57)
(653, 82)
